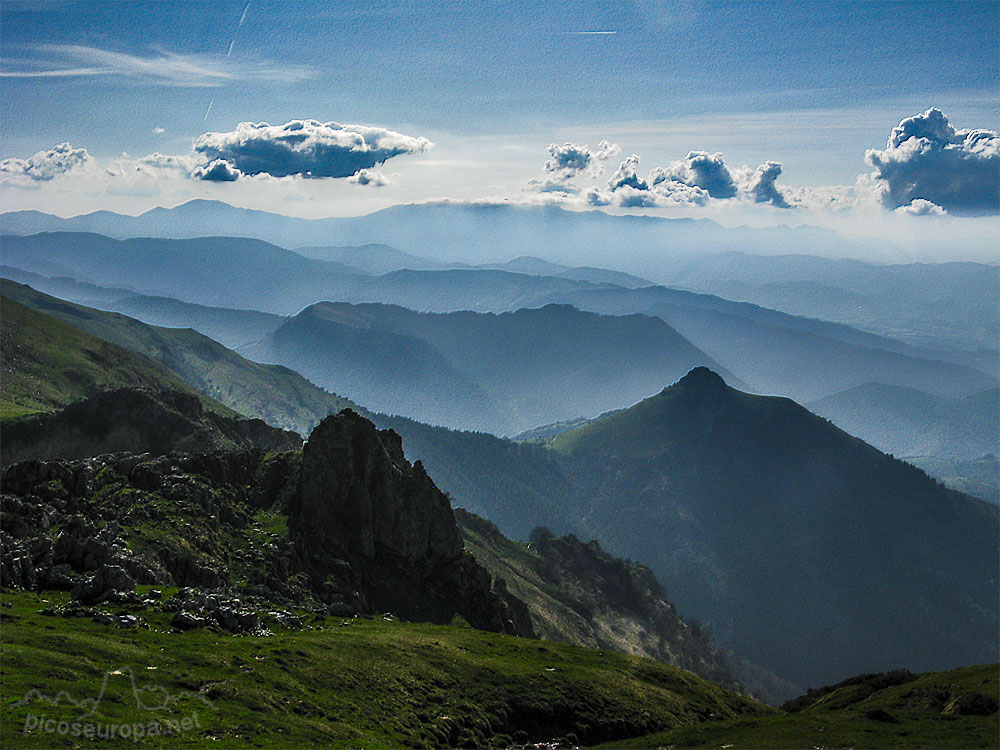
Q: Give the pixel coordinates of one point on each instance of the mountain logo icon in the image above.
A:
(149, 697)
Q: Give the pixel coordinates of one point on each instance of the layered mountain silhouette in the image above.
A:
(801, 358)
(495, 373)
(774, 352)
(273, 393)
(479, 233)
(804, 548)
(908, 422)
(948, 303)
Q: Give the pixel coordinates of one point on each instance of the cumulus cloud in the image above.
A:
(308, 148)
(627, 175)
(758, 184)
(927, 158)
(571, 159)
(921, 207)
(218, 170)
(699, 169)
(370, 177)
(45, 165)
(568, 159)
(606, 149)
(695, 180)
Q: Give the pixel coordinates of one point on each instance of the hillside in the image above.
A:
(342, 683)
(946, 303)
(275, 394)
(947, 710)
(387, 371)
(136, 421)
(856, 562)
(478, 233)
(271, 279)
(577, 593)
(864, 553)
(302, 565)
(48, 364)
(979, 477)
(907, 422)
(481, 371)
(799, 357)
(802, 358)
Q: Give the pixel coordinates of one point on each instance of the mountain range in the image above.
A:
(678, 480)
(856, 562)
(481, 371)
(772, 352)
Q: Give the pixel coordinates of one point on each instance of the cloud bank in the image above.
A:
(695, 180)
(928, 168)
(926, 158)
(45, 165)
(307, 148)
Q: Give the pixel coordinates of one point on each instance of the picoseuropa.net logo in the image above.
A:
(156, 711)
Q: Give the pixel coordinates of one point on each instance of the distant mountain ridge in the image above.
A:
(908, 422)
(776, 353)
(500, 373)
(436, 230)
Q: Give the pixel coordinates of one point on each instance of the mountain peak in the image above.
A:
(703, 379)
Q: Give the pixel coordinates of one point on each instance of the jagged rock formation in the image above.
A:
(138, 421)
(353, 529)
(382, 527)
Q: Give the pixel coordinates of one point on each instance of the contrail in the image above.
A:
(229, 52)
(243, 17)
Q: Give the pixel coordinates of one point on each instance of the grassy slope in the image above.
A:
(279, 396)
(913, 723)
(372, 683)
(48, 364)
(553, 616)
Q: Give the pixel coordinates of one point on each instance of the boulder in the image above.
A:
(109, 583)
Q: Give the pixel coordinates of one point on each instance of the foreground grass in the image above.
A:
(918, 714)
(357, 683)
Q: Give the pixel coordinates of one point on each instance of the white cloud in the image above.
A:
(218, 170)
(759, 184)
(307, 147)
(568, 160)
(699, 169)
(45, 165)
(926, 158)
(370, 177)
(920, 207)
(627, 175)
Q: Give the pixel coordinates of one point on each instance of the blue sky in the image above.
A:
(811, 85)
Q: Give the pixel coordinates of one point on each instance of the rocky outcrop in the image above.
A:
(352, 528)
(578, 593)
(136, 420)
(375, 529)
